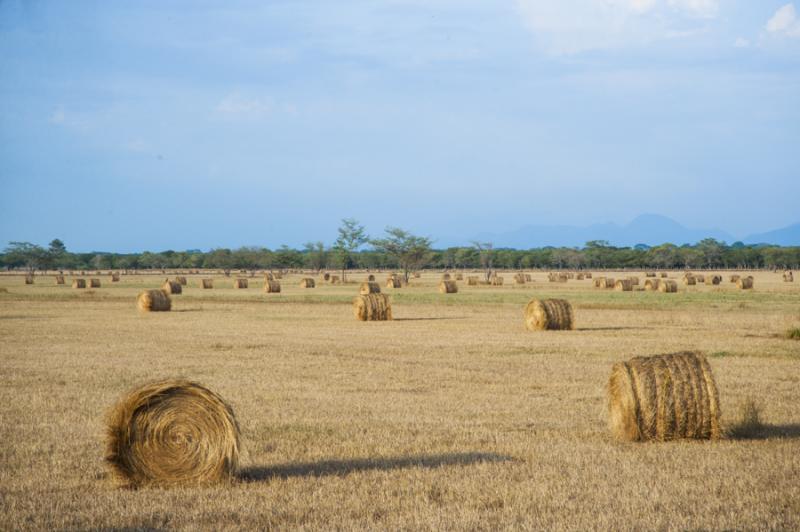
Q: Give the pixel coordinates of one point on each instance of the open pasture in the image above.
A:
(450, 416)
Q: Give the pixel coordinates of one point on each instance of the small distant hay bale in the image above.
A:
(579, 276)
(587, 275)
(497, 281)
(528, 278)
(393, 282)
(549, 314)
(650, 274)
(240, 283)
(370, 278)
(668, 286)
(745, 283)
(652, 284)
(623, 285)
(115, 277)
(94, 283)
(713, 280)
(446, 277)
(552, 277)
(700, 278)
(599, 282)
(181, 279)
(269, 277)
(370, 287)
(563, 277)
(788, 276)
(172, 287)
(326, 276)
(307, 282)
(459, 277)
(634, 280)
(734, 278)
(172, 433)
(79, 283)
(372, 307)
(570, 275)
(689, 280)
(472, 280)
(60, 279)
(29, 279)
(333, 279)
(417, 275)
(272, 287)
(153, 301)
(606, 282)
(448, 287)
(663, 397)
(207, 283)
(519, 278)
(663, 275)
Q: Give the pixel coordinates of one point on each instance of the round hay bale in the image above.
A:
(668, 286)
(745, 283)
(459, 277)
(393, 282)
(79, 283)
(59, 279)
(549, 314)
(172, 287)
(307, 282)
(448, 287)
(472, 280)
(240, 283)
(623, 285)
(663, 397)
(207, 283)
(663, 275)
(114, 277)
(788, 276)
(735, 278)
(370, 278)
(154, 301)
(609, 282)
(652, 284)
(181, 279)
(599, 282)
(172, 433)
(713, 280)
(689, 280)
(369, 288)
(94, 283)
(29, 279)
(446, 277)
(529, 279)
(497, 281)
(272, 287)
(333, 279)
(372, 307)
(326, 276)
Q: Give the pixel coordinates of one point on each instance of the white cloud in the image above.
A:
(785, 22)
(572, 26)
(236, 104)
(741, 42)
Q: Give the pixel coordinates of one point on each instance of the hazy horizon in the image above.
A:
(183, 125)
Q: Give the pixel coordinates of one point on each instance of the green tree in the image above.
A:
(352, 236)
(486, 255)
(27, 255)
(409, 251)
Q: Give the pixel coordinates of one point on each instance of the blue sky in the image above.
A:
(155, 125)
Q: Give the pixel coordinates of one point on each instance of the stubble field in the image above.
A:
(451, 416)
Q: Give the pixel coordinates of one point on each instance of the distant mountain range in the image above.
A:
(649, 229)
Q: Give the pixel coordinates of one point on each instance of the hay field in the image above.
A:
(451, 416)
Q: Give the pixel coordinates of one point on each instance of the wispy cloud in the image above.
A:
(237, 105)
(784, 22)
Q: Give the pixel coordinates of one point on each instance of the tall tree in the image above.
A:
(411, 252)
(316, 255)
(352, 236)
(486, 256)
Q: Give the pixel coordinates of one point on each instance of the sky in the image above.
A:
(127, 126)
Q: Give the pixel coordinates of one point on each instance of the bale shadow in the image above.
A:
(765, 432)
(345, 467)
(611, 328)
(188, 310)
(426, 319)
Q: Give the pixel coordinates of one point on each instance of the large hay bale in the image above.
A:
(668, 286)
(623, 285)
(240, 283)
(713, 280)
(549, 314)
(181, 279)
(369, 288)
(172, 433)
(307, 282)
(94, 283)
(734, 278)
(446, 277)
(472, 280)
(115, 277)
(372, 307)
(788, 276)
(689, 280)
(663, 397)
(745, 283)
(172, 287)
(29, 279)
(497, 281)
(393, 282)
(79, 283)
(207, 283)
(60, 279)
(154, 301)
(272, 287)
(651, 284)
(448, 287)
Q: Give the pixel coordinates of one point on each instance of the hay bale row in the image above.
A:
(307, 282)
(663, 397)
(172, 433)
(369, 288)
(448, 287)
(272, 287)
(549, 314)
(172, 287)
(154, 301)
(372, 307)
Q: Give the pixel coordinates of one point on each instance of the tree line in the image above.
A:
(401, 250)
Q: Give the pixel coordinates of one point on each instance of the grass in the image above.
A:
(453, 416)
(793, 333)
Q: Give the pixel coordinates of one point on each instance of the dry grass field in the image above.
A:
(452, 416)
